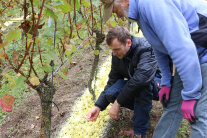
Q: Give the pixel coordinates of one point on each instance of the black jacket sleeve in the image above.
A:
(114, 75)
(143, 75)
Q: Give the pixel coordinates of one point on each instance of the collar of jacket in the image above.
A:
(132, 50)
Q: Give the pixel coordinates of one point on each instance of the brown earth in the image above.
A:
(125, 123)
(24, 121)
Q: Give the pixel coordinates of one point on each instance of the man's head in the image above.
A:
(120, 7)
(119, 41)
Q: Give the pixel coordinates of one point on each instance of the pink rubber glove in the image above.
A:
(164, 95)
(187, 110)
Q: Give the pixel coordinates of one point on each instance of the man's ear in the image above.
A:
(129, 42)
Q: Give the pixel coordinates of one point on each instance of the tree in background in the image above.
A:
(33, 50)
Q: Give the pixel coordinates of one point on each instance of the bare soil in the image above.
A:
(24, 121)
(125, 123)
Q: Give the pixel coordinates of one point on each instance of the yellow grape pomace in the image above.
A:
(77, 126)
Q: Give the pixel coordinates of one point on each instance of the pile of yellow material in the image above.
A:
(77, 126)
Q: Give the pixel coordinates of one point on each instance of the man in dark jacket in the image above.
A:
(129, 85)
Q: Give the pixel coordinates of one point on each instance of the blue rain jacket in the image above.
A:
(173, 27)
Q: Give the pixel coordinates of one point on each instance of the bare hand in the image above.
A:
(113, 112)
(93, 114)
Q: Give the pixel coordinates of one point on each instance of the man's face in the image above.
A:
(121, 8)
(119, 50)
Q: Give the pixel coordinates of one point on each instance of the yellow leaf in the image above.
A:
(96, 52)
(10, 79)
(70, 59)
(35, 81)
(68, 52)
(107, 51)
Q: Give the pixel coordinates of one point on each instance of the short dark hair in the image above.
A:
(120, 33)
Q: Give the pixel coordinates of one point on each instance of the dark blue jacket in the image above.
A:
(139, 67)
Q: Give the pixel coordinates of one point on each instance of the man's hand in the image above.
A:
(93, 114)
(187, 110)
(113, 112)
(164, 95)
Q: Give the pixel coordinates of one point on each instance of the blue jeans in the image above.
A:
(141, 113)
(171, 118)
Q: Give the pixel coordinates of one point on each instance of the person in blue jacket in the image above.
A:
(175, 29)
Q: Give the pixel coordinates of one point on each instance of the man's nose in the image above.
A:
(114, 53)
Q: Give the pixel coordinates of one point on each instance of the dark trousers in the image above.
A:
(141, 112)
